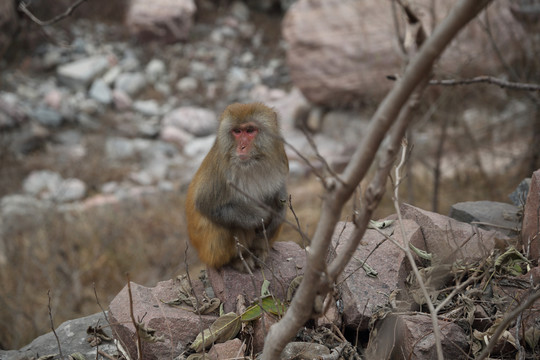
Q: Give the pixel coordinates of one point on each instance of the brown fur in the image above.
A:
(223, 200)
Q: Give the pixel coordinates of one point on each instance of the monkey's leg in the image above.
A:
(245, 238)
(262, 245)
(215, 244)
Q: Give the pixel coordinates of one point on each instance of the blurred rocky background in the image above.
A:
(106, 114)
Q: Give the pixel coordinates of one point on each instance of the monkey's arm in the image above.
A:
(277, 203)
(232, 211)
(238, 214)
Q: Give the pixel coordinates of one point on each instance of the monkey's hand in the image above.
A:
(239, 215)
(277, 216)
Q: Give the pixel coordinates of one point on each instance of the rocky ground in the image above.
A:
(101, 133)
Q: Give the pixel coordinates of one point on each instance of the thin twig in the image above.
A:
(315, 149)
(505, 84)
(197, 302)
(431, 307)
(135, 323)
(308, 163)
(99, 304)
(24, 8)
(305, 239)
(52, 324)
(252, 278)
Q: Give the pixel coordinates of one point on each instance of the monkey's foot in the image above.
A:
(260, 256)
(240, 265)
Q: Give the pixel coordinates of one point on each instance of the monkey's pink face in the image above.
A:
(244, 135)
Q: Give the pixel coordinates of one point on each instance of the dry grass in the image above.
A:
(69, 254)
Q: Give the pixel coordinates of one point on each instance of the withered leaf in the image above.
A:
(76, 356)
(97, 335)
(148, 334)
(532, 337)
(226, 327)
(209, 306)
(511, 262)
(197, 356)
(265, 291)
(295, 283)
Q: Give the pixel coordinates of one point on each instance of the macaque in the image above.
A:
(239, 192)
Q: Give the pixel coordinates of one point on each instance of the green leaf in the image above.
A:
(274, 306)
(252, 313)
(532, 337)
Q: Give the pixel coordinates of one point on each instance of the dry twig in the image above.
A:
(318, 280)
(23, 7)
(52, 324)
(505, 84)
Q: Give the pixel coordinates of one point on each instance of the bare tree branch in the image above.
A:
(317, 280)
(23, 7)
(489, 80)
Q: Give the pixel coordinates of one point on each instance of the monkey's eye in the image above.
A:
(251, 130)
(237, 131)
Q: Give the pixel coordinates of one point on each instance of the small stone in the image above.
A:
(186, 84)
(147, 107)
(53, 99)
(155, 69)
(196, 121)
(122, 101)
(118, 148)
(232, 349)
(175, 135)
(79, 74)
(48, 117)
(199, 146)
(110, 76)
(130, 83)
(240, 11)
(100, 92)
(70, 190)
(43, 184)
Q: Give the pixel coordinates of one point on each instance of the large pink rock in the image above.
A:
(285, 262)
(176, 326)
(448, 239)
(411, 337)
(166, 20)
(340, 51)
(363, 294)
(530, 231)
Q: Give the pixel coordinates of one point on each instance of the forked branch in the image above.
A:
(318, 280)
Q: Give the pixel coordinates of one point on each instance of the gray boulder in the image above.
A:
(73, 337)
(489, 215)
